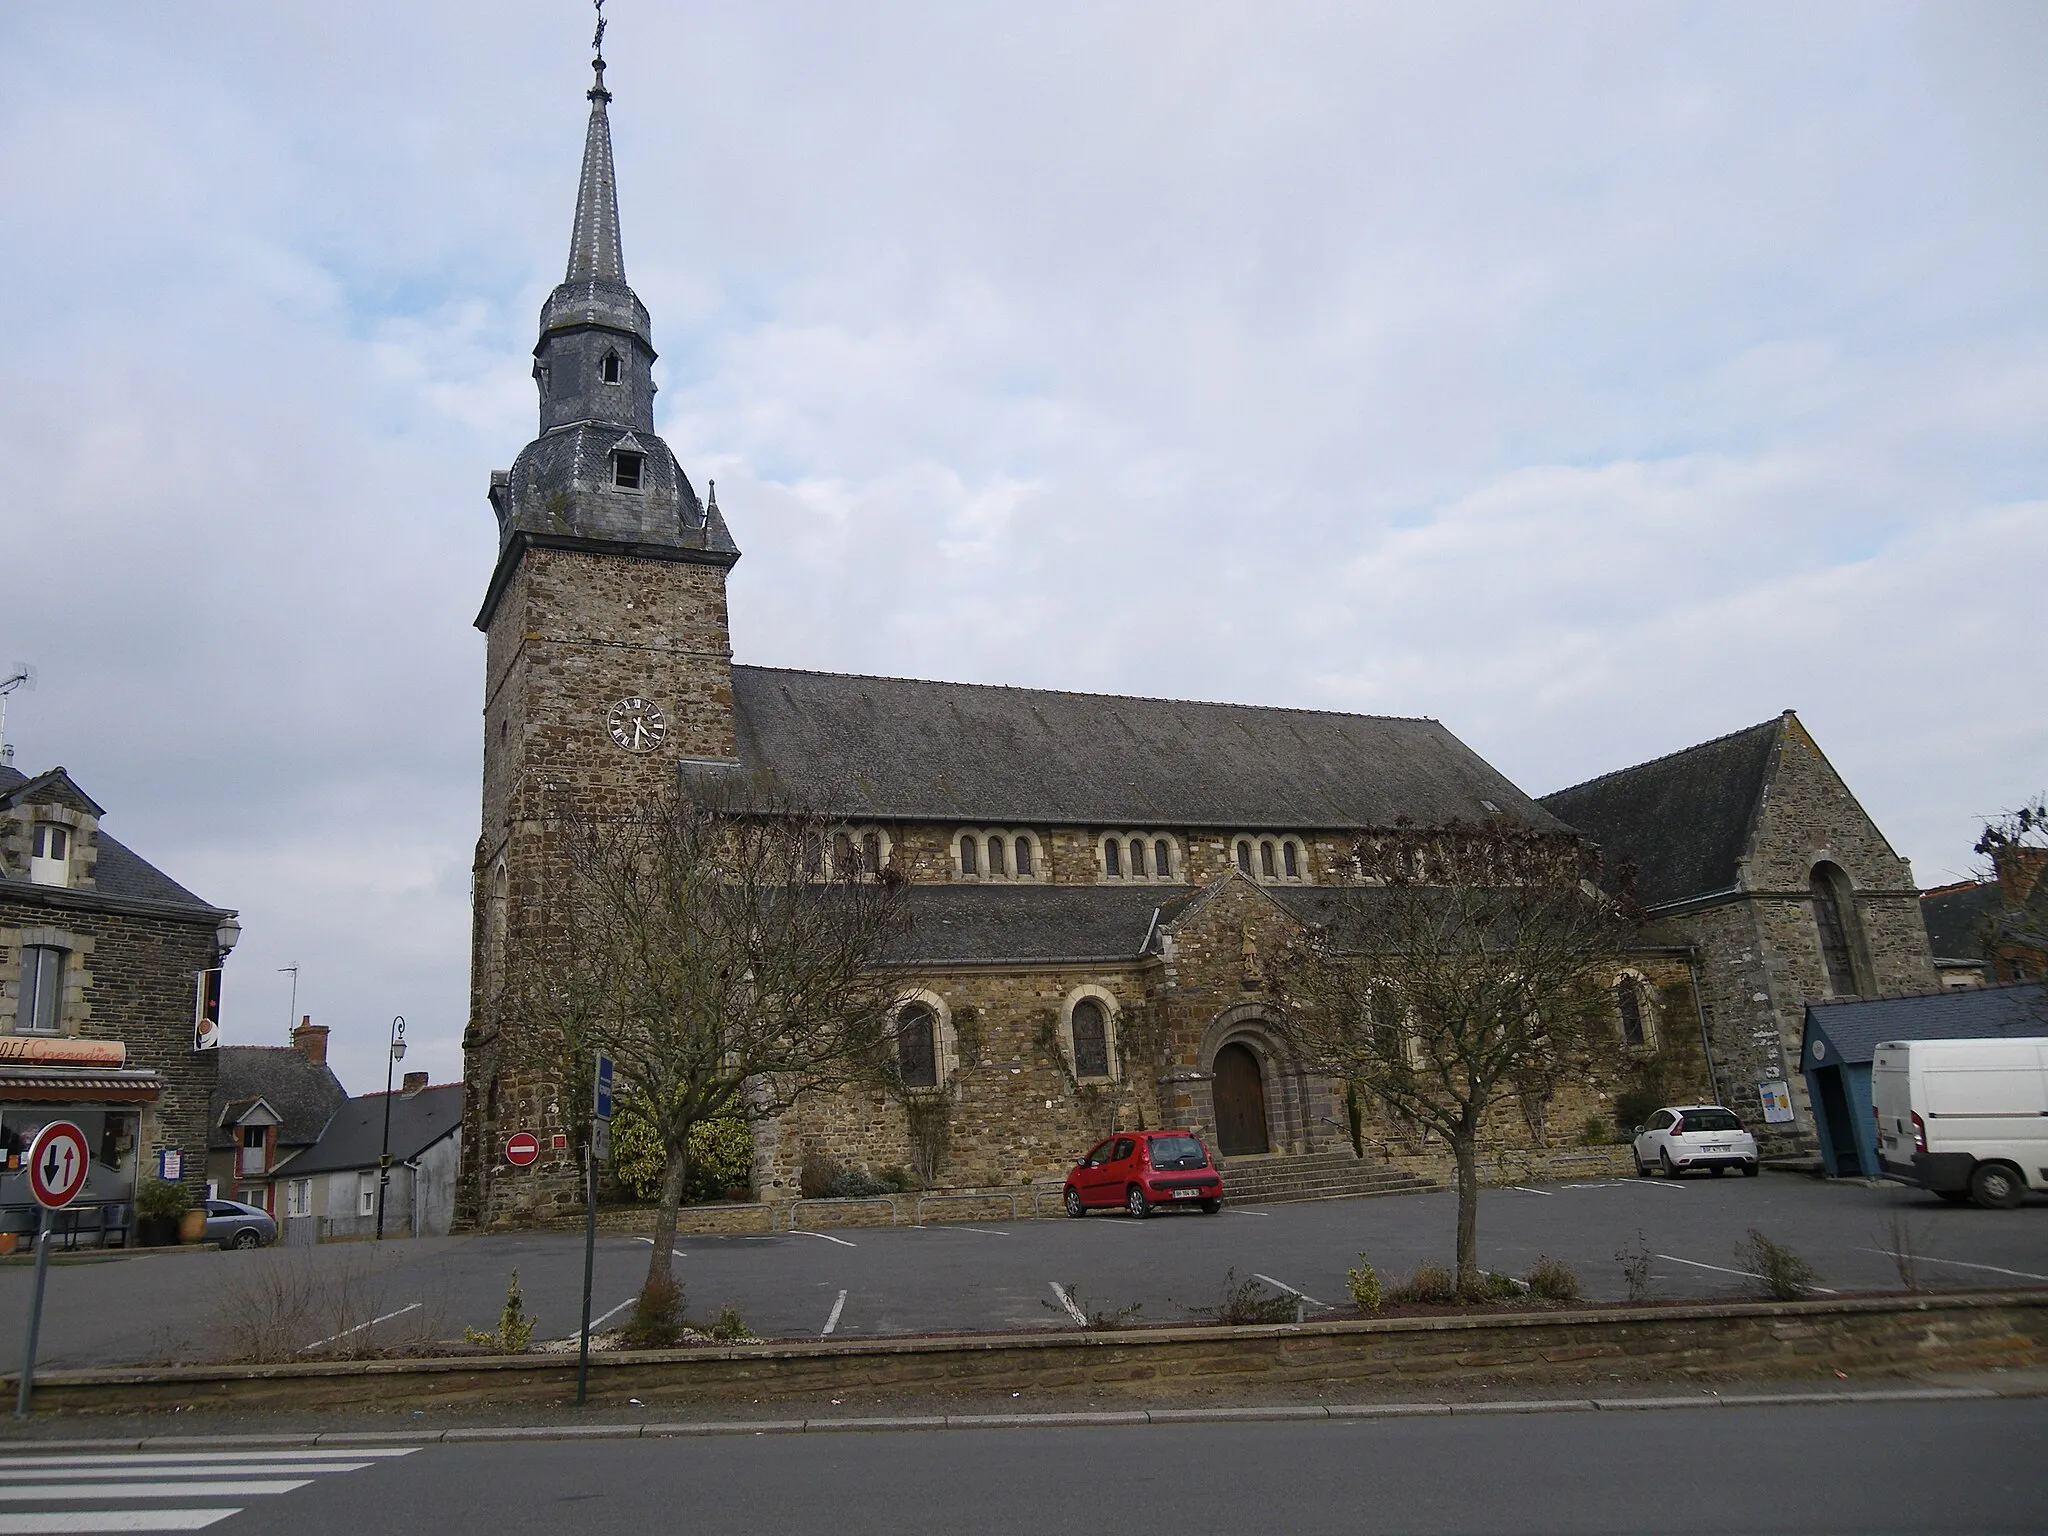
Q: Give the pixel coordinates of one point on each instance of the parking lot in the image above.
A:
(866, 1282)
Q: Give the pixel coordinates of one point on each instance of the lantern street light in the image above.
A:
(384, 1157)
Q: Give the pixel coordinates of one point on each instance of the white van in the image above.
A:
(1967, 1119)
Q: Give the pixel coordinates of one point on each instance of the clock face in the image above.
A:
(637, 725)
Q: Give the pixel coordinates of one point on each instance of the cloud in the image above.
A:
(1596, 382)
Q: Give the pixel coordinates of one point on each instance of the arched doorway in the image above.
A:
(1240, 1093)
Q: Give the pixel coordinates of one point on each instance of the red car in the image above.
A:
(1140, 1169)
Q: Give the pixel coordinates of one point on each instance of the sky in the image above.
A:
(1597, 379)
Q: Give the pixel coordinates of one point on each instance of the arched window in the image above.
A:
(1091, 1039)
(842, 852)
(1113, 859)
(1290, 858)
(1244, 855)
(917, 1047)
(1628, 999)
(1162, 857)
(1024, 860)
(1834, 914)
(871, 853)
(611, 368)
(1137, 858)
(995, 855)
(1266, 860)
(969, 858)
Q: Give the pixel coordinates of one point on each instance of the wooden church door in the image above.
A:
(1240, 1092)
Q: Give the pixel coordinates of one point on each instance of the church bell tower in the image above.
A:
(608, 662)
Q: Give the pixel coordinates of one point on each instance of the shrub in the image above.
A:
(730, 1328)
(1431, 1284)
(1491, 1287)
(721, 1156)
(515, 1329)
(657, 1321)
(1780, 1274)
(1554, 1280)
(1635, 1269)
(1245, 1302)
(158, 1198)
(858, 1184)
(1364, 1285)
(815, 1179)
(1598, 1132)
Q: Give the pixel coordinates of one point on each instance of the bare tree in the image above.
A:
(720, 956)
(1469, 971)
(2016, 846)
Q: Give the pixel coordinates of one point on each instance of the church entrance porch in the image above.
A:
(1240, 1093)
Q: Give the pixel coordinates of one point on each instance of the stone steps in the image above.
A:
(1321, 1176)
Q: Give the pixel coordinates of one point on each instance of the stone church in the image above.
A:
(1092, 877)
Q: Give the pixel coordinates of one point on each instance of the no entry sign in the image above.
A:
(522, 1149)
(57, 1164)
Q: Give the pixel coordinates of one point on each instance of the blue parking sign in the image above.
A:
(602, 1109)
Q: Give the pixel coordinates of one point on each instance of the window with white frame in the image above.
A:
(1270, 859)
(298, 1198)
(997, 853)
(1088, 1033)
(848, 852)
(49, 861)
(1140, 857)
(366, 1194)
(40, 1006)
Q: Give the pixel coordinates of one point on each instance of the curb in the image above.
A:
(1339, 1412)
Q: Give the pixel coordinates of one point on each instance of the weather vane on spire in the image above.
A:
(597, 38)
(597, 91)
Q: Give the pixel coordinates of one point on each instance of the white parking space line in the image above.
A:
(1667, 1184)
(58, 1522)
(359, 1327)
(1235, 1211)
(210, 1490)
(1066, 1300)
(1921, 1258)
(1747, 1274)
(1523, 1189)
(832, 1322)
(650, 1243)
(1282, 1285)
(823, 1237)
(598, 1322)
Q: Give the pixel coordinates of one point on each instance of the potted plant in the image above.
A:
(159, 1210)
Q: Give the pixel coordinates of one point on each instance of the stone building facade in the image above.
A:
(102, 960)
(1756, 860)
(1092, 878)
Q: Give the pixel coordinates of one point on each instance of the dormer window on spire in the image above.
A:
(611, 368)
(628, 470)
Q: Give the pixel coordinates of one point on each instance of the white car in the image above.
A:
(1687, 1136)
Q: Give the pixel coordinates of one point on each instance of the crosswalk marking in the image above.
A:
(207, 1490)
(154, 1490)
(197, 1469)
(60, 1522)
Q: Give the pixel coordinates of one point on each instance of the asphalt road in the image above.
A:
(1862, 1470)
(981, 1276)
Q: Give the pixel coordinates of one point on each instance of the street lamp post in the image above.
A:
(384, 1156)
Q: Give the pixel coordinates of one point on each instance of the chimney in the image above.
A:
(311, 1038)
(414, 1082)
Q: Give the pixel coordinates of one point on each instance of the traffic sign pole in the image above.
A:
(58, 1166)
(600, 1127)
(35, 1318)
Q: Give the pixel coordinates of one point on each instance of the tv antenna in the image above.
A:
(19, 676)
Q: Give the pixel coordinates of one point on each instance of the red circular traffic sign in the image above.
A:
(57, 1164)
(522, 1149)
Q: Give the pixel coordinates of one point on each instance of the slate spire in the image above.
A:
(594, 246)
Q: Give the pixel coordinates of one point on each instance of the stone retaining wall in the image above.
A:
(1180, 1366)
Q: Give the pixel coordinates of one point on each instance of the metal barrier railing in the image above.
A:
(993, 1194)
(795, 1205)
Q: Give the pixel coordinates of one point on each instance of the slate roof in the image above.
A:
(1855, 1029)
(1957, 917)
(1683, 820)
(960, 923)
(355, 1136)
(121, 871)
(901, 748)
(305, 1093)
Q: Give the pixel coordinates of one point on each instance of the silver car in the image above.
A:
(1688, 1136)
(235, 1225)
